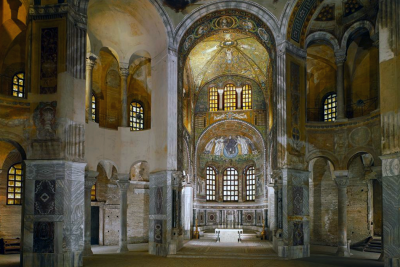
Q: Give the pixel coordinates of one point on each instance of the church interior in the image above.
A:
(198, 132)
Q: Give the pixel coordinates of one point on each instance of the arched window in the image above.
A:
(330, 107)
(136, 116)
(18, 88)
(14, 185)
(93, 107)
(247, 97)
(229, 97)
(93, 193)
(213, 98)
(211, 174)
(231, 185)
(250, 183)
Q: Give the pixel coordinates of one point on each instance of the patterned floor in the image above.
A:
(250, 247)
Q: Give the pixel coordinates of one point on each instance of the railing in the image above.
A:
(357, 109)
(361, 107)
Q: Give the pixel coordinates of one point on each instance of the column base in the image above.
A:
(341, 120)
(342, 252)
(123, 249)
(392, 262)
(87, 251)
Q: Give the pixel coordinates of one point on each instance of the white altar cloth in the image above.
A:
(228, 235)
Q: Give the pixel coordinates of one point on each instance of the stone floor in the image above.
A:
(208, 253)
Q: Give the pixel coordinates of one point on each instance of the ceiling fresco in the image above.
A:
(228, 54)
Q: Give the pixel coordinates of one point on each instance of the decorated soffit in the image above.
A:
(228, 21)
(229, 54)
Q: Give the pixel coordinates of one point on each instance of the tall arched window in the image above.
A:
(18, 88)
(250, 183)
(93, 193)
(211, 175)
(213, 98)
(230, 97)
(136, 116)
(14, 185)
(93, 109)
(330, 107)
(231, 185)
(247, 97)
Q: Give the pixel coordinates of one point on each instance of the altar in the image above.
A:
(228, 235)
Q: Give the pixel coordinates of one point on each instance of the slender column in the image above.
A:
(340, 60)
(124, 71)
(342, 180)
(239, 98)
(378, 175)
(221, 99)
(123, 184)
(90, 62)
(90, 180)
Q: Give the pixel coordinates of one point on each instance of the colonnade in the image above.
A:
(123, 183)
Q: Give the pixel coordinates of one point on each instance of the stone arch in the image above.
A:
(217, 124)
(354, 27)
(325, 37)
(17, 141)
(326, 155)
(109, 167)
(139, 171)
(353, 153)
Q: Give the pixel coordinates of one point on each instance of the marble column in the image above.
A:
(90, 62)
(295, 242)
(342, 180)
(187, 211)
(53, 213)
(124, 71)
(391, 209)
(378, 176)
(165, 231)
(90, 180)
(239, 97)
(123, 185)
(340, 60)
(221, 99)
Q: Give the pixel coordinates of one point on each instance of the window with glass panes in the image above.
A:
(136, 117)
(330, 107)
(14, 185)
(211, 175)
(231, 185)
(246, 97)
(93, 193)
(18, 88)
(250, 183)
(93, 108)
(229, 97)
(213, 98)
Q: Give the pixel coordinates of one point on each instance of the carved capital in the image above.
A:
(123, 185)
(90, 179)
(340, 57)
(342, 181)
(91, 61)
(124, 72)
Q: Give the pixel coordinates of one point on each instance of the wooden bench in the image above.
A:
(9, 246)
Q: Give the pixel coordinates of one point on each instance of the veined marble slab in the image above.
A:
(228, 235)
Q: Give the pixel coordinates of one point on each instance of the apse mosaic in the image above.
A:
(230, 146)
